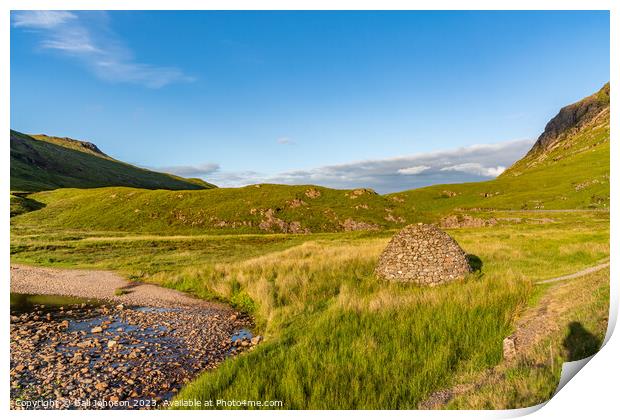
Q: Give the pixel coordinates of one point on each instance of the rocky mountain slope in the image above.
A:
(45, 163)
(573, 118)
(572, 130)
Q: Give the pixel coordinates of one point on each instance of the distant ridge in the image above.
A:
(79, 145)
(569, 169)
(41, 162)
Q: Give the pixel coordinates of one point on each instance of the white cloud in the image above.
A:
(87, 37)
(476, 169)
(71, 46)
(44, 19)
(413, 170)
(465, 164)
(190, 170)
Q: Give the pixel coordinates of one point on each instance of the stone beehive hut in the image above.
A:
(422, 254)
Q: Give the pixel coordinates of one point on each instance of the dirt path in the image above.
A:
(532, 327)
(99, 284)
(581, 273)
(560, 210)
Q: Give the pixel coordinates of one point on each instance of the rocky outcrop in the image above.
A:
(81, 144)
(313, 193)
(350, 225)
(354, 194)
(423, 254)
(465, 221)
(271, 223)
(572, 118)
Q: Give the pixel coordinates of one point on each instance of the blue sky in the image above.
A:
(387, 100)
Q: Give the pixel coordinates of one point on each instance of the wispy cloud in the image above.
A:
(45, 19)
(285, 140)
(464, 164)
(203, 169)
(87, 37)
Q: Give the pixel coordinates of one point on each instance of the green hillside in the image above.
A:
(255, 209)
(568, 170)
(580, 181)
(41, 163)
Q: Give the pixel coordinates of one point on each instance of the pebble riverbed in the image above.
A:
(106, 355)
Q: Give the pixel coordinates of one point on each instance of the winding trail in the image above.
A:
(533, 325)
(581, 273)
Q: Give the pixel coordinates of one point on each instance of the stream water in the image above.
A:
(108, 352)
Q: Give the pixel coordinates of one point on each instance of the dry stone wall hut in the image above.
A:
(423, 254)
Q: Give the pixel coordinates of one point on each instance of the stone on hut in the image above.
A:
(423, 254)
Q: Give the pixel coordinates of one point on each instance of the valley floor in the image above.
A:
(336, 337)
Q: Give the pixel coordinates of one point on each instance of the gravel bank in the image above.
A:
(98, 284)
(136, 351)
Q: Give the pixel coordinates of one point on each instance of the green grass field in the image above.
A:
(336, 337)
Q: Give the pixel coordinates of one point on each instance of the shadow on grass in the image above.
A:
(20, 204)
(580, 343)
(474, 262)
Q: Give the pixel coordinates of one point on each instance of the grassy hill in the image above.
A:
(254, 209)
(568, 168)
(41, 163)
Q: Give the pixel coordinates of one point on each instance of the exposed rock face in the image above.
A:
(465, 220)
(86, 145)
(350, 225)
(422, 254)
(572, 117)
(360, 192)
(313, 193)
(270, 223)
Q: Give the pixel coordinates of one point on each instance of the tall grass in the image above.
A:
(533, 378)
(338, 338)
